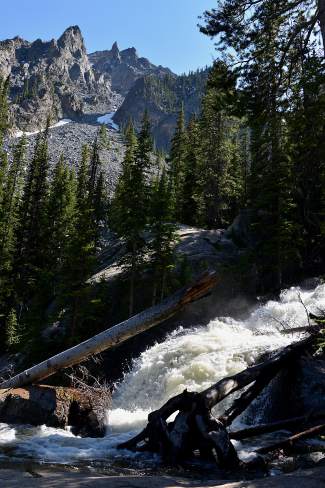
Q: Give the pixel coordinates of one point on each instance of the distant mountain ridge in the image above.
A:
(124, 67)
(58, 77)
(163, 97)
(53, 77)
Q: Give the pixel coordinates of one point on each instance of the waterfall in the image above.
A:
(191, 358)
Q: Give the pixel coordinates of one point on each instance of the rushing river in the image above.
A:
(190, 358)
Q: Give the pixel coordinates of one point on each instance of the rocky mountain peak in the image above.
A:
(52, 77)
(72, 40)
(115, 50)
(115, 54)
(123, 67)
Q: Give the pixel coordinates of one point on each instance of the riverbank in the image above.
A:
(9, 478)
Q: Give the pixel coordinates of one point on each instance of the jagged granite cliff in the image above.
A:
(124, 67)
(58, 78)
(54, 78)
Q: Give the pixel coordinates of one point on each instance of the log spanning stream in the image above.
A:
(192, 358)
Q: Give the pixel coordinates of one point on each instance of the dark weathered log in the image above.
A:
(117, 334)
(195, 428)
(290, 441)
(286, 424)
(56, 407)
(311, 329)
(217, 438)
(226, 386)
(240, 404)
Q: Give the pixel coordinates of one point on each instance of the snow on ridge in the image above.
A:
(107, 119)
(60, 123)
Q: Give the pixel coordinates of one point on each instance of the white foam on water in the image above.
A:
(7, 434)
(192, 358)
(196, 358)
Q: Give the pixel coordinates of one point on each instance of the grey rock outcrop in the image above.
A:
(58, 78)
(124, 67)
(54, 406)
(162, 97)
(69, 139)
(52, 78)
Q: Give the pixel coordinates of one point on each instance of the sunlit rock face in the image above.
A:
(124, 67)
(52, 78)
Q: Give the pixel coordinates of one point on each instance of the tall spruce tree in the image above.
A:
(9, 220)
(191, 191)
(306, 127)
(80, 252)
(163, 234)
(221, 168)
(31, 259)
(131, 201)
(177, 159)
(61, 210)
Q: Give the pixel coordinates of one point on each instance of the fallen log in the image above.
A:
(290, 441)
(268, 368)
(286, 424)
(115, 335)
(56, 407)
(195, 428)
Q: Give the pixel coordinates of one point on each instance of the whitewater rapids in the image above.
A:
(188, 358)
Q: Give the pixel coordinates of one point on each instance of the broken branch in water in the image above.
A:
(290, 441)
(287, 424)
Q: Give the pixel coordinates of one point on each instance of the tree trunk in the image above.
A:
(131, 293)
(117, 334)
(321, 19)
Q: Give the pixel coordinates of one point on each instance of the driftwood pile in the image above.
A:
(195, 429)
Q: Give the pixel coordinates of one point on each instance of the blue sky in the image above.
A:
(165, 31)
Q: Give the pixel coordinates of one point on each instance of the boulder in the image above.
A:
(56, 407)
(310, 385)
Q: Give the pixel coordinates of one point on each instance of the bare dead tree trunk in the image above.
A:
(321, 19)
(117, 334)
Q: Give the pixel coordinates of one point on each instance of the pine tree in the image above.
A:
(9, 220)
(191, 191)
(100, 202)
(80, 252)
(97, 200)
(221, 170)
(103, 140)
(60, 215)
(4, 113)
(4, 125)
(177, 159)
(130, 204)
(12, 333)
(273, 205)
(306, 127)
(163, 234)
(30, 258)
